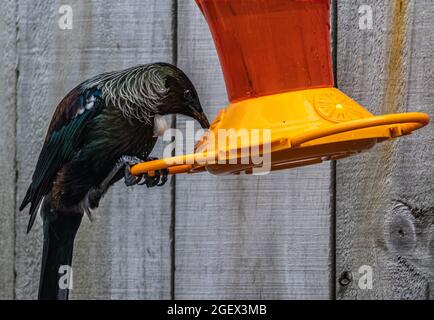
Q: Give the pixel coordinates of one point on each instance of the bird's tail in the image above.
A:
(60, 229)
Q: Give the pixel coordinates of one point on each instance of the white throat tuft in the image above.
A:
(160, 125)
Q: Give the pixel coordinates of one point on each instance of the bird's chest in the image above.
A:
(112, 136)
(137, 140)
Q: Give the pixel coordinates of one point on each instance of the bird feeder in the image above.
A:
(276, 60)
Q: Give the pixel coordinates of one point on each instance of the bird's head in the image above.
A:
(181, 96)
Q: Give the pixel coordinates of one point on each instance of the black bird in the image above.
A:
(99, 129)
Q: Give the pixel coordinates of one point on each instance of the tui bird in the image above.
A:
(98, 131)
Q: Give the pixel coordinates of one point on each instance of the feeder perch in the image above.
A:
(276, 60)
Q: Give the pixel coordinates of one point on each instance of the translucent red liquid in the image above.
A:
(271, 46)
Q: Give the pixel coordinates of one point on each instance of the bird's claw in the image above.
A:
(130, 180)
(159, 178)
(127, 162)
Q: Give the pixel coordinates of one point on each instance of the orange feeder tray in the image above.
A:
(276, 60)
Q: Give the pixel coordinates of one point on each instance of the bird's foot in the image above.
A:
(127, 162)
(159, 178)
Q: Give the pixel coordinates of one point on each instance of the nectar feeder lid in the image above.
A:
(276, 61)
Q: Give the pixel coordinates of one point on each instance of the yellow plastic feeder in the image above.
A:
(276, 59)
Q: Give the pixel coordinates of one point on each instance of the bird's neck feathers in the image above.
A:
(137, 92)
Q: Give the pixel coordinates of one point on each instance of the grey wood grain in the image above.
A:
(125, 253)
(8, 75)
(246, 237)
(385, 203)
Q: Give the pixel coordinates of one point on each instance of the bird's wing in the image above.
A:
(64, 136)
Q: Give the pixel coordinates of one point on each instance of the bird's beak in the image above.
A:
(202, 119)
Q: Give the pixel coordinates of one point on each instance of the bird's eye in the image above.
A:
(187, 94)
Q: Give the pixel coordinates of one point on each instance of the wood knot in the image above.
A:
(345, 278)
(400, 231)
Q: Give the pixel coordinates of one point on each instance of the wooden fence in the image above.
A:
(314, 232)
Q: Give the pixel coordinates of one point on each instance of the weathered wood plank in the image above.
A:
(246, 237)
(385, 202)
(125, 253)
(8, 63)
